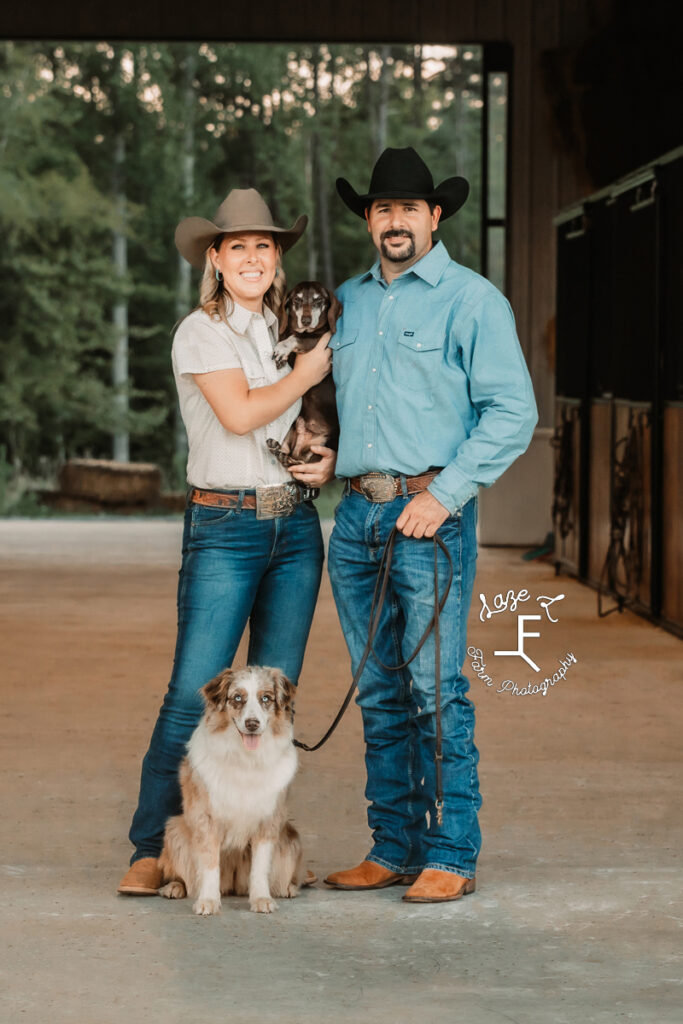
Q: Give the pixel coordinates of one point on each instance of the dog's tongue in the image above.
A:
(250, 741)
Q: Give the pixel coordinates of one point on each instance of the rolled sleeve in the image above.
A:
(502, 397)
(200, 346)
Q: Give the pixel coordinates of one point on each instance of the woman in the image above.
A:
(252, 547)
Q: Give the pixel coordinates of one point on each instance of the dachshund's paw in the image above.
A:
(282, 351)
(283, 457)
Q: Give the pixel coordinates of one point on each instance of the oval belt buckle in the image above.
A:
(378, 486)
(274, 500)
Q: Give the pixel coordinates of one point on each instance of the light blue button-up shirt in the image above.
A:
(429, 372)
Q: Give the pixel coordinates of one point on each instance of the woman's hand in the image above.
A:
(315, 474)
(312, 367)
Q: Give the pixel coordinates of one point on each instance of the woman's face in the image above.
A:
(248, 261)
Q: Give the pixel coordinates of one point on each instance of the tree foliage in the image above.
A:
(193, 120)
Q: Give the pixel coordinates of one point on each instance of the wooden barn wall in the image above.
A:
(542, 180)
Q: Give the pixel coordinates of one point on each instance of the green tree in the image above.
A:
(104, 147)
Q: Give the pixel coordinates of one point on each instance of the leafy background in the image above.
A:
(104, 147)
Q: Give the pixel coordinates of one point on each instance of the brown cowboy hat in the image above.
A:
(243, 209)
(403, 174)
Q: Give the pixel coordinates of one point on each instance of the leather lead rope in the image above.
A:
(438, 752)
(378, 598)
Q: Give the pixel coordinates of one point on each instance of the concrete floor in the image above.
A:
(578, 912)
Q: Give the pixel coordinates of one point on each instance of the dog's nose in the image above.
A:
(306, 321)
(252, 724)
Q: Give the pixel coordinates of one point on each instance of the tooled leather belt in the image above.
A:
(270, 500)
(385, 487)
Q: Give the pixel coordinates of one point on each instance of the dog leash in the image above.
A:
(378, 598)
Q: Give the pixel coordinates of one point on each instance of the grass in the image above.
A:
(330, 495)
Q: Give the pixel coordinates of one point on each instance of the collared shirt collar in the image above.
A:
(429, 268)
(240, 318)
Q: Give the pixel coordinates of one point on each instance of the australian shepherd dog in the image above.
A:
(233, 835)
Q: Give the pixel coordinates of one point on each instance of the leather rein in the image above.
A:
(378, 598)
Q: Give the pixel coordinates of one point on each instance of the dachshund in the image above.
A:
(309, 311)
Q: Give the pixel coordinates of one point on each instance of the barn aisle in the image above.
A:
(577, 914)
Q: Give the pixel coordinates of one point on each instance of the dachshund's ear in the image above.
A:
(283, 322)
(215, 693)
(284, 690)
(334, 312)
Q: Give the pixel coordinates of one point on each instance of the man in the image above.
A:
(435, 401)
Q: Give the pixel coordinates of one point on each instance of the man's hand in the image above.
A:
(422, 516)
(315, 474)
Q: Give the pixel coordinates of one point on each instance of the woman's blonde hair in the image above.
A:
(216, 300)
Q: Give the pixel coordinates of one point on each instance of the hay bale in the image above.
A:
(111, 483)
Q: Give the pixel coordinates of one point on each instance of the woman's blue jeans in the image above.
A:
(235, 569)
(398, 708)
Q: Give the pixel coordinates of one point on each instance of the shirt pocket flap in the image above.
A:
(422, 339)
(343, 338)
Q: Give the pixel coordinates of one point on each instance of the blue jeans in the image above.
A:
(398, 708)
(235, 569)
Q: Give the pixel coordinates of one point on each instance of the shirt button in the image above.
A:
(374, 369)
(369, 407)
(419, 344)
(391, 298)
(369, 446)
(381, 333)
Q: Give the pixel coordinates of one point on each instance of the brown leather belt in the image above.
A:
(384, 487)
(216, 499)
(270, 501)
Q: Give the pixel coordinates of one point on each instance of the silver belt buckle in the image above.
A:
(378, 486)
(275, 500)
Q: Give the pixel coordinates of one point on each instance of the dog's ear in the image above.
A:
(283, 322)
(334, 312)
(284, 690)
(215, 693)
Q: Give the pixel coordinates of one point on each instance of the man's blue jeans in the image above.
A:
(398, 708)
(235, 569)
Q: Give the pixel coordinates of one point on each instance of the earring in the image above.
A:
(277, 271)
(219, 276)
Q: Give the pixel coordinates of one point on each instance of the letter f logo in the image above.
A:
(520, 652)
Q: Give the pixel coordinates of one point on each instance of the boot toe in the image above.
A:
(434, 886)
(143, 878)
(367, 875)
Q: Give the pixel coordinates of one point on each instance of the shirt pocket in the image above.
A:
(419, 358)
(343, 353)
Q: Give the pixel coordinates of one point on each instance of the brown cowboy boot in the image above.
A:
(143, 878)
(367, 875)
(435, 886)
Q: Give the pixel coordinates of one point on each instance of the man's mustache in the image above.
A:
(395, 233)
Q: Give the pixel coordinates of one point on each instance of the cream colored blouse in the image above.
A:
(219, 460)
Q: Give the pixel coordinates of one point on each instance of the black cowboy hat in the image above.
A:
(403, 174)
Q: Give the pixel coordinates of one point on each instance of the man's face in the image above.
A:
(402, 229)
